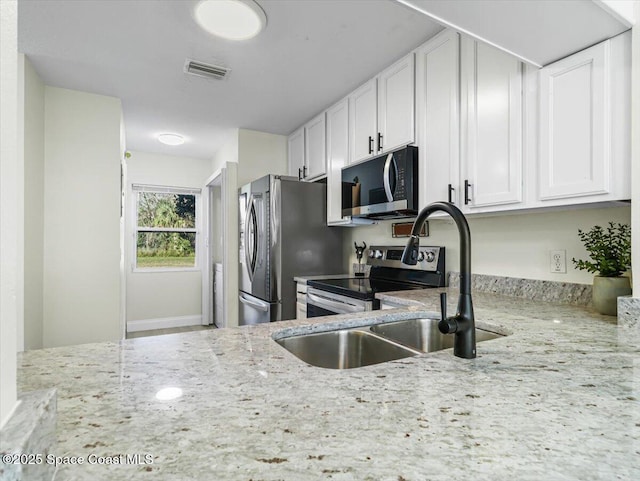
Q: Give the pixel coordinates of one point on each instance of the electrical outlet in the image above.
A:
(559, 261)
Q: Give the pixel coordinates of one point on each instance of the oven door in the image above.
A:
(323, 303)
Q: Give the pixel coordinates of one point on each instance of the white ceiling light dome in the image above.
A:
(231, 19)
(171, 139)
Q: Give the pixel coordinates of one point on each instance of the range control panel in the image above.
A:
(429, 258)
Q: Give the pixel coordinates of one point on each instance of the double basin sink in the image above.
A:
(363, 346)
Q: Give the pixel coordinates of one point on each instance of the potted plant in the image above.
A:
(610, 253)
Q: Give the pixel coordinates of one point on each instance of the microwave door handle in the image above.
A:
(387, 182)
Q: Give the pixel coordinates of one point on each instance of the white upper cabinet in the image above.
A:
(337, 156)
(382, 115)
(307, 150)
(315, 148)
(295, 151)
(363, 124)
(396, 105)
(438, 119)
(492, 112)
(584, 125)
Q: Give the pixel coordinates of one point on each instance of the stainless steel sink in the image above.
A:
(423, 334)
(345, 349)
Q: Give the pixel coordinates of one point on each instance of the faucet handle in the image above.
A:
(443, 306)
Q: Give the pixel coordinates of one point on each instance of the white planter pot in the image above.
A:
(606, 291)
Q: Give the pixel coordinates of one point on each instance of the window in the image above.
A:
(166, 235)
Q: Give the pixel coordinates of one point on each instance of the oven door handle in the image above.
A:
(339, 306)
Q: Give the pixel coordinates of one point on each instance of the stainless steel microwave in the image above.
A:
(385, 187)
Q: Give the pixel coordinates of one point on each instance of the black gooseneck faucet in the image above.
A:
(463, 323)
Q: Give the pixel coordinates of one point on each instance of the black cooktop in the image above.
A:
(364, 288)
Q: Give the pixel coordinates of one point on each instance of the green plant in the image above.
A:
(610, 249)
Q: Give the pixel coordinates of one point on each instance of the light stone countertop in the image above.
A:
(556, 399)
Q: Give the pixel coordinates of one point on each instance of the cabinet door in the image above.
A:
(438, 119)
(492, 125)
(396, 114)
(362, 121)
(574, 125)
(337, 156)
(296, 153)
(315, 148)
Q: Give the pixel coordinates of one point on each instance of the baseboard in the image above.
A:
(163, 323)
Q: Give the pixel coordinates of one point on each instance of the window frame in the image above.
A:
(156, 189)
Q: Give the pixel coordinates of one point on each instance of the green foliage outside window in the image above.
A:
(174, 248)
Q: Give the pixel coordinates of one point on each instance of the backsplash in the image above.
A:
(516, 245)
(536, 290)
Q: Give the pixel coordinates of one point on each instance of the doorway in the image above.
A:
(220, 277)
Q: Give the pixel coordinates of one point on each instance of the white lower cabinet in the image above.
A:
(584, 144)
(301, 300)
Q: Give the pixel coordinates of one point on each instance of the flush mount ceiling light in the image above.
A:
(231, 19)
(171, 139)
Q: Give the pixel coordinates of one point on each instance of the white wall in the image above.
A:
(260, 154)
(227, 153)
(10, 192)
(32, 106)
(257, 154)
(507, 245)
(81, 218)
(161, 295)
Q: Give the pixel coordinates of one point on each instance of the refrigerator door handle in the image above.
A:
(247, 256)
(258, 210)
(260, 306)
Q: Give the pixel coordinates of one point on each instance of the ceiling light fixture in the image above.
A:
(231, 19)
(171, 139)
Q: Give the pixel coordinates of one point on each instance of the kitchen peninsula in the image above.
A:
(557, 398)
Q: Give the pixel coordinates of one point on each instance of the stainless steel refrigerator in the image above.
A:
(283, 234)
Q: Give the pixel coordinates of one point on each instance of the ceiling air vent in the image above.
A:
(205, 70)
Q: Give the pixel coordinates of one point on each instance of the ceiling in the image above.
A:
(311, 54)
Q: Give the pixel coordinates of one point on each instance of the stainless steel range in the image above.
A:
(388, 273)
